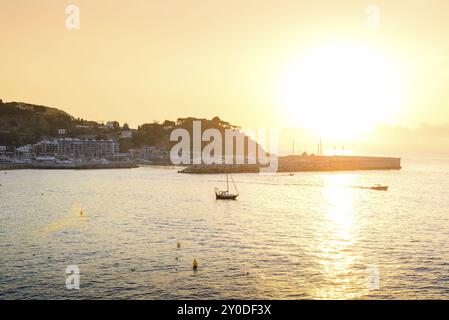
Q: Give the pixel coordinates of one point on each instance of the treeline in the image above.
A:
(22, 123)
(158, 134)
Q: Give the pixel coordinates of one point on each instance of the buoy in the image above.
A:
(195, 264)
(81, 213)
(178, 245)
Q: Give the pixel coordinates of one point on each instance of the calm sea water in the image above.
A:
(311, 235)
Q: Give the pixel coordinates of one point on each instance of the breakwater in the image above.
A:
(306, 163)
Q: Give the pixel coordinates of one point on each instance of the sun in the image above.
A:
(341, 90)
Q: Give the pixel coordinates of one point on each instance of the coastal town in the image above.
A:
(39, 137)
(76, 152)
(33, 136)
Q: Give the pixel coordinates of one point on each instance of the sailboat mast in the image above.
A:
(235, 187)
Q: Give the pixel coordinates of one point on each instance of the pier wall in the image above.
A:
(307, 163)
(337, 163)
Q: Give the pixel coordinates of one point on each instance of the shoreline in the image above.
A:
(285, 164)
(66, 166)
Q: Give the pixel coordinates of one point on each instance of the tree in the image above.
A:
(125, 126)
(125, 145)
(39, 108)
(169, 124)
(115, 125)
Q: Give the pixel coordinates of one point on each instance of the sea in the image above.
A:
(134, 233)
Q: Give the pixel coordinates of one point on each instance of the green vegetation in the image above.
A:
(23, 123)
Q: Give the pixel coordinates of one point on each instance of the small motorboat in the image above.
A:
(379, 187)
(225, 194)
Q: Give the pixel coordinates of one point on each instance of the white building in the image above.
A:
(126, 134)
(68, 148)
(24, 149)
(89, 148)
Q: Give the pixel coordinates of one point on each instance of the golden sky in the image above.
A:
(137, 61)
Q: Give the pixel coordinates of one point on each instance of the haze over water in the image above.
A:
(311, 235)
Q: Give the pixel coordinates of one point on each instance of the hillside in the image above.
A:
(24, 123)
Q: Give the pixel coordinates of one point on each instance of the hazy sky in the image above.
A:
(144, 60)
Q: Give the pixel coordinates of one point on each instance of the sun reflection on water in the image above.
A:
(336, 239)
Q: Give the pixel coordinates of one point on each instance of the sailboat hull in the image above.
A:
(226, 197)
(379, 188)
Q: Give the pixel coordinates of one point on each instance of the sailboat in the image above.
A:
(226, 195)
